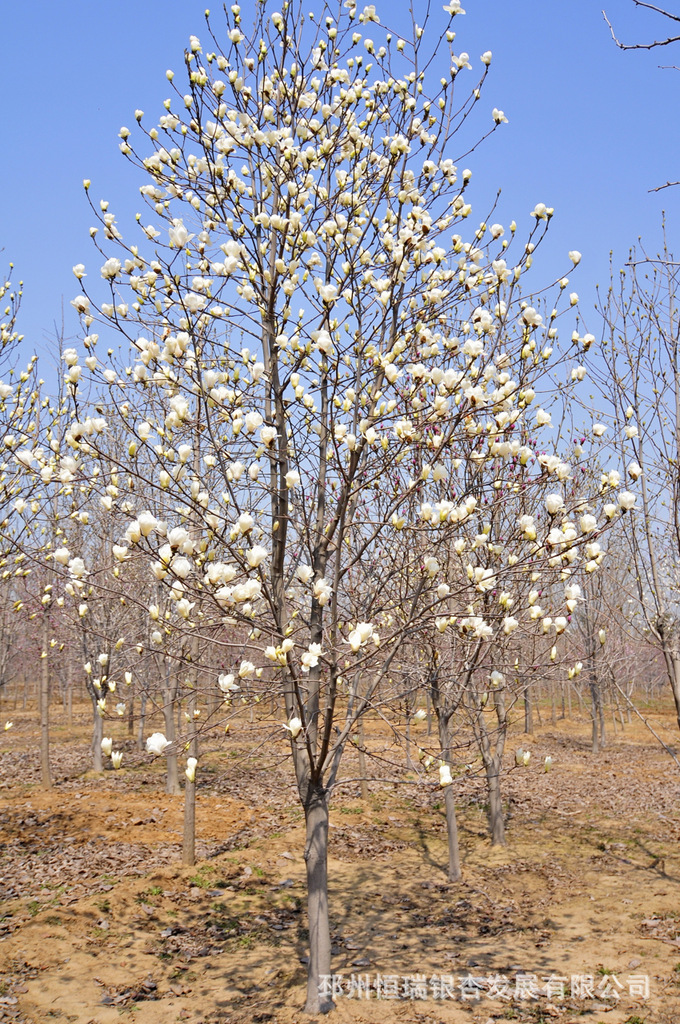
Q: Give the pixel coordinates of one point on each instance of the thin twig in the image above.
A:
(644, 46)
(644, 720)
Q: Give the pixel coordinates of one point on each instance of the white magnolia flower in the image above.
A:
(310, 658)
(190, 771)
(626, 500)
(257, 555)
(226, 683)
(116, 759)
(107, 746)
(554, 503)
(420, 715)
(157, 744)
(445, 778)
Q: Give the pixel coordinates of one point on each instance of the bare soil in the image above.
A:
(101, 923)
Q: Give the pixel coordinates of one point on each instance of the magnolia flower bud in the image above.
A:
(190, 771)
(294, 727)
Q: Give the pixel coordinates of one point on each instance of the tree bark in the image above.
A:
(455, 872)
(189, 835)
(496, 819)
(528, 711)
(316, 858)
(97, 733)
(45, 771)
(362, 759)
(172, 785)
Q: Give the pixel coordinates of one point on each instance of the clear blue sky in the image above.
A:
(590, 130)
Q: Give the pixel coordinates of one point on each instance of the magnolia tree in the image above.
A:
(641, 384)
(319, 352)
(24, 422)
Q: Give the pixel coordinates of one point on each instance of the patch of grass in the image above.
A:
(200, 881)
(202, 877)
(351, 810)
(104, 906)
(53, 919)
(33, 907)
(146, 894)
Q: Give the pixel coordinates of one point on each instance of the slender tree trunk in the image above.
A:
(593, 718)
(455, 871)
(492, 765)
(316, 858)
(172, 785)
(528, 711)
(44, 700)
(142, 722)
(97, 733)
(409, 762)
(496, 818)
(189, 836)
(362, 758)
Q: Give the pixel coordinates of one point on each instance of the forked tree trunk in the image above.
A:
(316, 858)
(492, 766)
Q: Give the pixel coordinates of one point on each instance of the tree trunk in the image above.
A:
(674, 676)
(528, 711)
(172, 785)
(142, 722)
(45, 772)
(362, 759)
(189, 836)
(450, 803)
(316, 857)
(593, 717)
(97, 733)
(496, 819)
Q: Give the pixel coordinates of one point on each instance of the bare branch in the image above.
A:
(659, 188)
(644, 46)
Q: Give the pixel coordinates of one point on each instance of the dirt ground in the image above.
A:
(100, 923)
